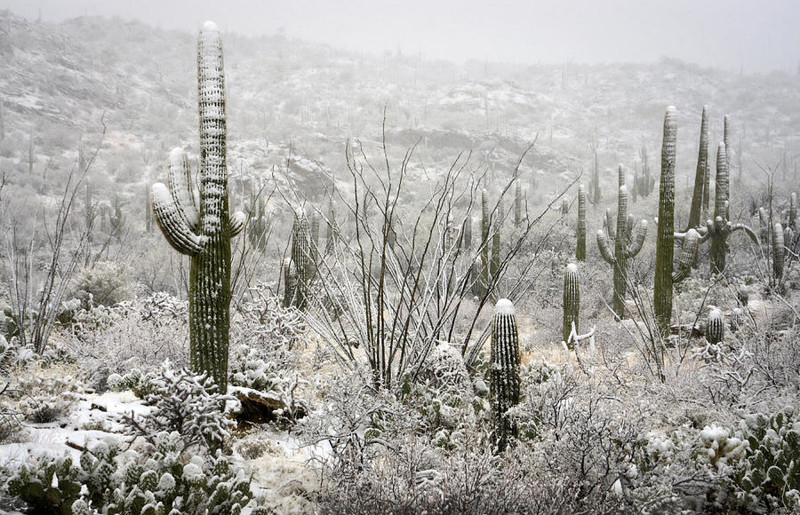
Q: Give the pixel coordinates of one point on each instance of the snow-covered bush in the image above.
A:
(443, 395)
(156, 480)
(45, 395)
(104, 284)
(263, 323)
(187, 404)
(141, 334)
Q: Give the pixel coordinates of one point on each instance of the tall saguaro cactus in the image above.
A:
(504, 383)
(627, 244)
(572, 302)
(662, 291)
(695, 212)
(721, 227)
(580, 249)
(204, 231)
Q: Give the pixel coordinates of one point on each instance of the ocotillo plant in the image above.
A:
(715, 326)
(572, 302)
(504, 382)
(721, 227)
(696, 209)
(623, 250)
(662, 291)
(580, 250)
(204, 232)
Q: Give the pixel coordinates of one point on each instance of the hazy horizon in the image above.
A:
(732, 35)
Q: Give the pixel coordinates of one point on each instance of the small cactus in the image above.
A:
(504, 384)
(580, 250)
(572, 303)
(715, 327)
(778, 252)
(301, 259)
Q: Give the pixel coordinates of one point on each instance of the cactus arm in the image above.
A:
(611, 228)
(180, 185)
(173, 223)
(691, 240)
(605, 248)
(638, 239)
(750, 232)
(237, 223)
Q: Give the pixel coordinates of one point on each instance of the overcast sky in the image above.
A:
(757, 35)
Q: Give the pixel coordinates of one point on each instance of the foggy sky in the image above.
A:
(754, 35)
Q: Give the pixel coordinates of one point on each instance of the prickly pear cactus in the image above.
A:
(204, 230)
(572, 303)
(504, 384)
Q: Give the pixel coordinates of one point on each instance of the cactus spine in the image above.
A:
(700, 175)
(580, 250)
(504, 381)
(627, 244)
(662, 292)
(572, 303)
(715, 327)
(204, 233)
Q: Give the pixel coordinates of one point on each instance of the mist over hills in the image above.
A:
(296, 102)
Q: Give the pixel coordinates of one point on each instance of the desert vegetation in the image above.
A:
(412, 318)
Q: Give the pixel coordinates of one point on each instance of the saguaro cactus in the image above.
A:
(204, 232)
(504, 376)
(778, 252)
(695, 211)
(485, 225)
(595, 184)
(517, 205)
(644, 183)
(572, 302)
(625, 247)
(301, 259)
(721, 227)
(662, 292)
(580, 249)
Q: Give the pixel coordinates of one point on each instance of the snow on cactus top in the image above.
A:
(504, 307)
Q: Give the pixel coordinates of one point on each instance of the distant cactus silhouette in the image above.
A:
(204, 232)
(504, 373)
(643, 184)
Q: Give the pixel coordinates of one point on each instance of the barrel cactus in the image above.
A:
(504, 384)
(203, 230)
(572, 303)
(715, 327)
